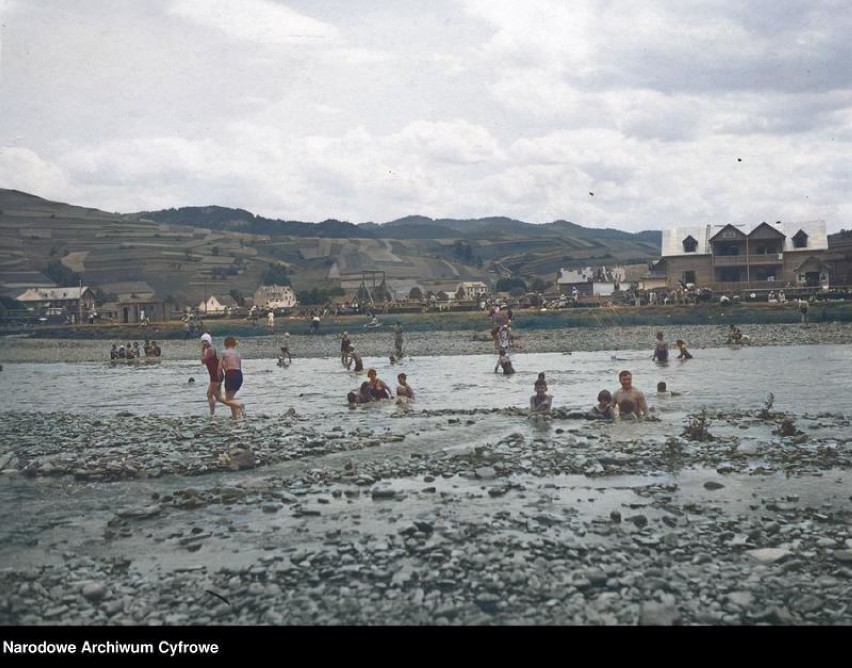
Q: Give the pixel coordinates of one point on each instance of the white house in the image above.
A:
(587, 281)
(473, 289)
(212, 305)
(275, 297)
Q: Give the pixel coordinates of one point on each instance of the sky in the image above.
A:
(607, 113)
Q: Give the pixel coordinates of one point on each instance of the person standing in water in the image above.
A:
(378, 387)
(356, 358)
(210, 359)
(404, 390)
(398, 340)
(628, 393)
(684, 353)
(661, 349)
(285, 351)
(231, 365)
(345, 345)
(504, 362)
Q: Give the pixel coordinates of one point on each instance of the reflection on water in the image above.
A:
(802, 378)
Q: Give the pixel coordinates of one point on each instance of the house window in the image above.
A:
(800, 240)
(689, 277)
(689, 245)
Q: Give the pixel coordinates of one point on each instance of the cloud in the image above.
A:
(261, 21)
(23, 169)
(485, 107)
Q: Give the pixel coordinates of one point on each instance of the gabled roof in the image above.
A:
(672, 239)
(52, 294)
(814, 258)
(129, 290)
(672, 242)
(772, 228)
(725, 229)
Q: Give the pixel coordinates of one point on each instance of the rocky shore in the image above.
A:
(567, 522)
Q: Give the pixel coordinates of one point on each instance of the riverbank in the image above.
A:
(453, 321)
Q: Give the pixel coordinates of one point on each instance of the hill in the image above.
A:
(188, 252)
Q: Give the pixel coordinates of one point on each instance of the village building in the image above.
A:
(590, 281)
(472, 289)
(211, 306)
(75, 304)
(731, 258)
(275, 297)
(132, 302)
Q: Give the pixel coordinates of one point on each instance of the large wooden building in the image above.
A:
(730, 258)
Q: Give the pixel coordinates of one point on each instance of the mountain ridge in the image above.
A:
(187, 252)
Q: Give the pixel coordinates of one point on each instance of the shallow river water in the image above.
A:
(803, 379)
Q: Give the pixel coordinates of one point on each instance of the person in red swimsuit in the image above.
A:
(210, 359)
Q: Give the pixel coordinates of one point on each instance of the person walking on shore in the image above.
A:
(231, 365)
(210, 359)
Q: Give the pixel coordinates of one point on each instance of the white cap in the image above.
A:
(207, 337)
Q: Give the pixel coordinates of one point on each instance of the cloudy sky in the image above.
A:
(671, 113)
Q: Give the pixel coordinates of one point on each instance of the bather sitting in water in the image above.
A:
(541, 402)
(378, 388)
(603, 410)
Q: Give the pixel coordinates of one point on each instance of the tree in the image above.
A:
(318, 295)
(60, 274)
(463, 252)
(237, 296)
(507, 284)
(102, 297)
(540, 285)
(276, 274)
(461, 294)
(415, 294)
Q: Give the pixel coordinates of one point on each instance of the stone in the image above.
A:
(653, 613)
(485, 473)
(6, 459)
(94, 591)
(741, 598)
(140, 513)
(808, 603)
(242, 460)
(770, 555)
(843, 555)
(713, 485)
